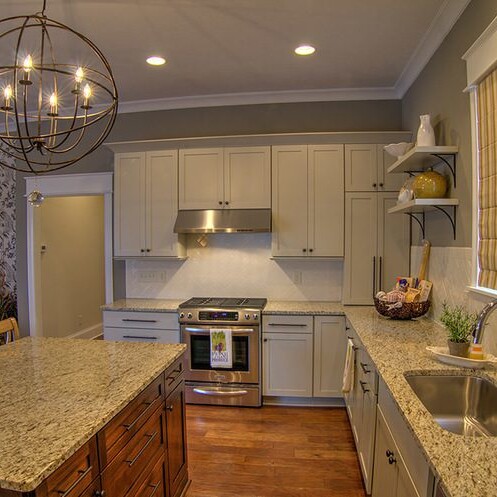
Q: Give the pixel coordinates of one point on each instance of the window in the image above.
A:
(481, 60)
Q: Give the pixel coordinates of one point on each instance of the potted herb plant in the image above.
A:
(459, 324)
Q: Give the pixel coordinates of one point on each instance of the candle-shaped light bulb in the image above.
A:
(7, 95)
(79, 75)
(87, 91)
(53, 104)
(28, 63)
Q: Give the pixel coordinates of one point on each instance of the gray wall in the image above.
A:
(380, 115)
(439, 91)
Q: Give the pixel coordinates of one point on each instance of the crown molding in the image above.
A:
(270, 97)
(442, 23)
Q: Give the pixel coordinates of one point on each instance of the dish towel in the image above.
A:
(221, 349)
(348, 372)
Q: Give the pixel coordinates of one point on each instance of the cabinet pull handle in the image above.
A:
(142, 450)
(140, 337)
(130, 320)
(82, 473)
(155, 487)
(374, 275)
(133, 423)
(379, 273)
(364, 389)
(363, 366)
(174, 374)
(298, 325)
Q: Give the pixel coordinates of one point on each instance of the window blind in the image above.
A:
(487, 177)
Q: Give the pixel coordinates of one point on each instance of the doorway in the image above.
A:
(67, 279)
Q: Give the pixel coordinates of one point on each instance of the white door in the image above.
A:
(361, 260)
(287, 364)
(385, 473)
(162, 203)
(201, 179)
(129, 205)
(247, 177)
(361, 170)
(289, 200)
(330, 344)
(326, 200)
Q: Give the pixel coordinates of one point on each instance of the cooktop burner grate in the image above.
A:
(225, 302)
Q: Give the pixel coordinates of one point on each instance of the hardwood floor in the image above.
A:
(271, 452)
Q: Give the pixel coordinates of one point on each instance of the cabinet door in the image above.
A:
(129, 205)
(162, 204)
(385, 473)
(360, 248)
(388, 182)
(361, 169)
(393, 243)
(176, 439)
(247, 177)
(330, 343)
(289, 200)
(326, 200)
(405, 485)
(201, 179)
(287, 360)
(367, 435)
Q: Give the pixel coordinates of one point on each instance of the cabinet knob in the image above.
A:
(389, 453)
(374, 185)
(99, 493)
(142, 250)
(220, 202)
(381, 185)
(170, 408)
(304, 250)
(265, 340)
(311, 250)
(392, 460)
(227, 203)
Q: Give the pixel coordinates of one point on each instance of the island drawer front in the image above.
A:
(153, 482)
(133, 459)
(124, 425)
(174, 375)
(93, 489)
(76, 474)
(141, 335)
(287, 324)
(149, 320)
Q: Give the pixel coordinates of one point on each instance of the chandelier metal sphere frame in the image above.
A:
(49, 106)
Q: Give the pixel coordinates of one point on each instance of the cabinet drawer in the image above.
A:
(72, 478)
(134, 457)
(93, 489)
(150, 320)
(119, 431)
(174, 375)
(141, 335)
(153, 482)
(287, 324)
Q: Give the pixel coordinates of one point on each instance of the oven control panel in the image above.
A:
(245, 316)
(218, 316)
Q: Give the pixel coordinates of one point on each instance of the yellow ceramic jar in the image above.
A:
(429, 184)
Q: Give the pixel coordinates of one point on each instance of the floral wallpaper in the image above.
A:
(7, 223)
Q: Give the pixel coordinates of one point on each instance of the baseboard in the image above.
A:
(303, 401)
(89, 333)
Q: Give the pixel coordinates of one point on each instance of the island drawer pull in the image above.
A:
(364, 389)
(155, 487)
(129, 320)
(140, 337)
(364, 367)
(82, 476)
(297, 325)
(175, 373)
(133, 423)
(142, 450)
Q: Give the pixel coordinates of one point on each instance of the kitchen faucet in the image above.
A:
(482, 321)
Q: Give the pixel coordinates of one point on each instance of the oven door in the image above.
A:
(245, 351)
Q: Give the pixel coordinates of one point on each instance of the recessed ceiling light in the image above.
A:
(156, 60)
(305, 50)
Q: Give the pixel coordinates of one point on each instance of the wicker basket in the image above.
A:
(407, 311)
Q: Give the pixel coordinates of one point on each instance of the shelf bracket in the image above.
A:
(452, 218)
(421, 222)
(450, 164)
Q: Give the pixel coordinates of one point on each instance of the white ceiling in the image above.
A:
(241, 51)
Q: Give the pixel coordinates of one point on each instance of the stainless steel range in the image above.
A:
(240, 384)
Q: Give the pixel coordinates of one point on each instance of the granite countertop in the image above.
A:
(311, 308)
(467, 466)
(143, 305)
(57, 393)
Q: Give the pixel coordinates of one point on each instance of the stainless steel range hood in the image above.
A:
(224, 221)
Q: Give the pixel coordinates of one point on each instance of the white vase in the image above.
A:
(426, 135)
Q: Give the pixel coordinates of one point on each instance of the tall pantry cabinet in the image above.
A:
(377, 245)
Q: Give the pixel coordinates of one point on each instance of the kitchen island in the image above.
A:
(63, 401)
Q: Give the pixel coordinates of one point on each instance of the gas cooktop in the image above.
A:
(225, 302)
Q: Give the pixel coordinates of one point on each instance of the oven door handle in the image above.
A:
(219, 392)
(235, 331)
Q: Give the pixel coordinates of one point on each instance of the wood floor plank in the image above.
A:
(273, 451)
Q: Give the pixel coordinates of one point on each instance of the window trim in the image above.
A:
(481, 59)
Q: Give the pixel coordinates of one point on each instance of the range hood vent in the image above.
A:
(224, 221)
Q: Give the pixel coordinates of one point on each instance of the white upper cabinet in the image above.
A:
(146, 205)
(366, 169)
(308, 200)
(215, 178)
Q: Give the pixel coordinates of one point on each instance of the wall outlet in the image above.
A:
(152, 276)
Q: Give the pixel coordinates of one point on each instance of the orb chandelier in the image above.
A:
(55, 84)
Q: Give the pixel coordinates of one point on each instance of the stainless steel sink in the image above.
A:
(466, 405)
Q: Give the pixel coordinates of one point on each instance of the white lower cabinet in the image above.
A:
(303, 356)
(131, 326)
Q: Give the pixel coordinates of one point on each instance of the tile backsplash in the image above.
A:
(235, 265)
